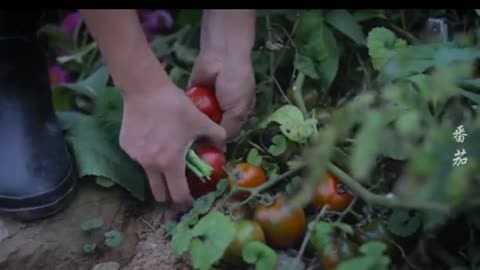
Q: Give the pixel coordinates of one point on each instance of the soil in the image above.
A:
(55, 243)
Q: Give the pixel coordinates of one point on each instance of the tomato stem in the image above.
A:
(297, 93)
(388, 200)
(195, 171)
(204, 168)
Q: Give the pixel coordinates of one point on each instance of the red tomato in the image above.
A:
(205, 100)
(328, 193)
(214, 158)
(247, 176)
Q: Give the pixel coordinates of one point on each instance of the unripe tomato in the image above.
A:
(283, 225)
(205, 100)
(247, 176)
(328, 193)
(245, 231)
(239, 213)
(342, 249)
(216, 159)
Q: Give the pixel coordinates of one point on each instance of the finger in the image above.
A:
(177, 182)
(215, 134)
(157, 185)
(235, 118)
(204, 74)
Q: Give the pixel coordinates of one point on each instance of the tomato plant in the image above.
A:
(341, 249)
(329, 193)
(216, 159)
(247, 176)
(283, 225)
(245, 231)
(205, 100)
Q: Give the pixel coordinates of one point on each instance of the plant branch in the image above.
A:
(297, 93)
(389, 200)
(307, 237)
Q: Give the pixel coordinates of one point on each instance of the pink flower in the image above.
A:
(71, 22)
(58, 75)
(155, 20)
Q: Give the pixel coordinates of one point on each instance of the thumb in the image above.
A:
(204, 75)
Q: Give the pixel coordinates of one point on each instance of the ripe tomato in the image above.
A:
(206, 102)
(328, 193)
(283, 225)
(248, 176)
(214, 158)
(245, 231)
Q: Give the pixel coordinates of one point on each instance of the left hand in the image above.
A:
(233, 80)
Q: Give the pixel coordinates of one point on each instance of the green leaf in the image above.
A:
(191, 17)
(392, 144)
(96, 155)
(204, 203)
(69, 119)
(104, 182)
(366, 145)
(185, 54)
(344, 22)
(472, 96)
(254, 157)
(89, 248)
(92, 224)
(445, 56)
(190, 218)
(221, 187)
(108, 112)
(343, 227)
(368, 14)
(471, 85)
(213, 233)
(402, 223)
(292, 123)
(114, 238)
(279, 145)
(260, 254)
(321, 236)
(372, 260)
(432, 220)
(328, 68)
(373, 248)
(63, 99)
(477, 11)
(90, 85)
(170, 227)
(382, 45)
(181, 242)
(306, 65)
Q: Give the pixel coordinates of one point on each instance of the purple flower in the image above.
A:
(71, 22)
(155, 20)
(58, 75)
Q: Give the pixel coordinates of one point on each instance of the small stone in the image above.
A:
(107, 266)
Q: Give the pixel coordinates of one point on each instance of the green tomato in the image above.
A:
(246, 231)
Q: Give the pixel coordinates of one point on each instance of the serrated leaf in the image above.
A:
(96, 155)
(279, 145)
(108, 112)
(261, 255)
(181, 242)
(190, 218)
(344, 22)
(382, 45)
(402, 223)
(114, 238)
(89, 248)
(104, 182)
(292, 124)
(92, 224)
(392, 144)
(306, 65)
(170, 227)
(254, 157)
(366, 145)
(213, 233)
(204, 203)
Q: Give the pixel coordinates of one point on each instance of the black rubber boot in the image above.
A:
(37, 172)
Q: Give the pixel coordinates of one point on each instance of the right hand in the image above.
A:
(159, 125)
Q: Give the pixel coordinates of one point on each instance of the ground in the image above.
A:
(56, 243)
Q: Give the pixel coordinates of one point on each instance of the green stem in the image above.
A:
(297, 93)
(389, 200)
(411, 38)
(195, 170)
(269, 93)
(201, 165)
(347, 210)
(307, 237)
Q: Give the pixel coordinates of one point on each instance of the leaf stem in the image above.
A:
(297, 93)
(307, 237)
(201, 165)
(389, 200)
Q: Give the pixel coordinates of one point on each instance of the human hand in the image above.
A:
(159, 125)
